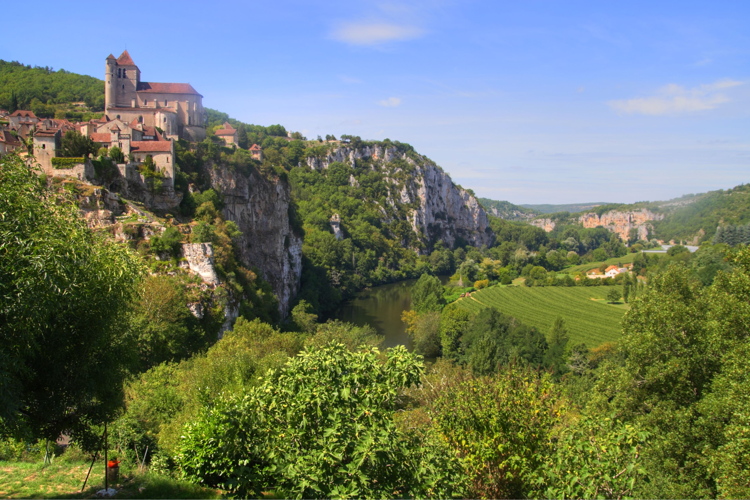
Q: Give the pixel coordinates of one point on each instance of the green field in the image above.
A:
(587, 315)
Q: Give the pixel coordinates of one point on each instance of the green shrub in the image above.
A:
(66, 162)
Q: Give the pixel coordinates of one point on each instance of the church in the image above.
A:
(174, 108)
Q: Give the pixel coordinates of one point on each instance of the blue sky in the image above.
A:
(531, 102)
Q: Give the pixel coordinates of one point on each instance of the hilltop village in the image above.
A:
(141, 122)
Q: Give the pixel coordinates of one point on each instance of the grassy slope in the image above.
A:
(64, 480)
(591, 321)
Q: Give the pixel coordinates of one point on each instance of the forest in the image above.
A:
(48, 93)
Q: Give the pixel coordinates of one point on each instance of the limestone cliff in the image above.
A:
(546, 224)
(260, 207)
(440, 210)
(619, 222)
(623, 222)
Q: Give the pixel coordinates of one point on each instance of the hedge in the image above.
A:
(66, 162)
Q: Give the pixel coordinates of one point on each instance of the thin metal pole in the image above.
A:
(96, 455)
(106, 438)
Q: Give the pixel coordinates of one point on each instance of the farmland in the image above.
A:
(587, 315)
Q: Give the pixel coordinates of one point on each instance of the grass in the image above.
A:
(588, 316)
(64, 480)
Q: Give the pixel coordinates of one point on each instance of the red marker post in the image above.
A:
(113, 471)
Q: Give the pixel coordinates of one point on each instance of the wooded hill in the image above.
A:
(46, 91)
(507, 210)
(685, 219)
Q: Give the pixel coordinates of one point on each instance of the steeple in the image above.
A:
(125, 59)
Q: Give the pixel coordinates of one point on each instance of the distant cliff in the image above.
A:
(617, 221)
(439, 209)
(622, 222)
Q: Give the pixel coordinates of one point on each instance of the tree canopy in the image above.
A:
(64, 291)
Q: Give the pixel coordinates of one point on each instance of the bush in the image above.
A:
(67, 162)
(321, 427)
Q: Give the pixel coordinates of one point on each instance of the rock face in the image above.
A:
(546, 224)
(200, 260)
(443, 211)
(622, 222)
(260, 208)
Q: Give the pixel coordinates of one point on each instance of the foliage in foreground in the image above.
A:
(63, 291)
(321, 427)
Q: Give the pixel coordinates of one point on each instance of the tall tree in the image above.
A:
(74, 144)
(64, 291)
(427, 294)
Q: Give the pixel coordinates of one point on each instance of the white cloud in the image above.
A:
(391, 102)
(349, 79)
(675, 99)
(375, 33)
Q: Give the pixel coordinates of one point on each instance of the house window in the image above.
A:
(123, 73)
(166, 102)
(118, 73)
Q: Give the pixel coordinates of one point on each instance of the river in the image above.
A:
(381, 307)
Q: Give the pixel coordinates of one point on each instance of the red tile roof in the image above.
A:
(46, 133)
(9, 138)
(226, 131)
(166, 88)
(125, 59)
(101, 138)
(23, 113)
(254, 147)
(151, 146)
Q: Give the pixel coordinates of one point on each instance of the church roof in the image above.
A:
(125, 59)
(166, 88)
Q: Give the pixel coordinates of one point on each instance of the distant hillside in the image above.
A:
(695, 218)
(507, 210)
(45, 91)
(571, 207)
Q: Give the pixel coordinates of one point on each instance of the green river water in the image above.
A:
(381, 308)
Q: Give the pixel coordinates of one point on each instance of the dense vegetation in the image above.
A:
(705, 214)
(48, 93)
